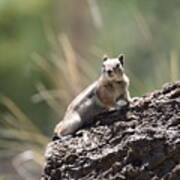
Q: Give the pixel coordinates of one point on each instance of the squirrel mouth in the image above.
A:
(110, 75)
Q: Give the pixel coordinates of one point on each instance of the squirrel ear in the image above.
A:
(105, 57)
(121, 59)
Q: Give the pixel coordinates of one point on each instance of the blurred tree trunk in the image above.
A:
(72, 18)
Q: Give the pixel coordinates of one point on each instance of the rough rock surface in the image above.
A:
(139, 142)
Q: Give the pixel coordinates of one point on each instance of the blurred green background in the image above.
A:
(51, 50)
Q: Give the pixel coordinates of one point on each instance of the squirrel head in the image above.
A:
(112, 68)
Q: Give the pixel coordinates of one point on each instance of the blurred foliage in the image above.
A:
(21, 34)
(51, 50)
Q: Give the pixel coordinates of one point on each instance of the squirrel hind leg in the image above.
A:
(68, 126)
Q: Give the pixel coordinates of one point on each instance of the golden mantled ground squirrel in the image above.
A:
(100, 96)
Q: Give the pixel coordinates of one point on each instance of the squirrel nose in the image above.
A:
(109, 72)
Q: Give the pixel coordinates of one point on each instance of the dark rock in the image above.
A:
(139, 142)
